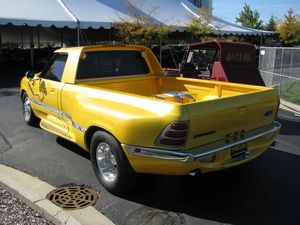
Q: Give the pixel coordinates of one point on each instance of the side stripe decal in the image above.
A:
(75, 125)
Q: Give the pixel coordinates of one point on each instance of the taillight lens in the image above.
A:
(179, 125)
(174, 135)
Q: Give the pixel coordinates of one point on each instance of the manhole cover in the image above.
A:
(150, 216)
(73, 197)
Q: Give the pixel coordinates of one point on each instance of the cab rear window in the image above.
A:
(111, 63)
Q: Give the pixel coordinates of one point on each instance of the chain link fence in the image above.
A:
(280, 68)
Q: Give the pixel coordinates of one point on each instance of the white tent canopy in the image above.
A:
(220, 26)
(105, 13)
(177, 13)
(36, 12)
(96, 13)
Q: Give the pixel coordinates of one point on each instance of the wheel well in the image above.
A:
(90, 132)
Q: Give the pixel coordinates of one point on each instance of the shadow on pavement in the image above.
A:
(265, 191)
(72, 147)
(289, 127)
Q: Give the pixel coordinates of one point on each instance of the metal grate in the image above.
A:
(73, 197)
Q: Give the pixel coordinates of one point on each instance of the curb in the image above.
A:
(33, 191)
(289, 106)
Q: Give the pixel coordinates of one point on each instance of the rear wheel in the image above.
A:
(28, 114)
(110, 164)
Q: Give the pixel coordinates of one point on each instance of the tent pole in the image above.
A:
(62, 38)
(0, 46)
(109, 35)
(160, 52)
(38, 37)
(78, 35)
(31, 48)
(61, 2)
(22, 41)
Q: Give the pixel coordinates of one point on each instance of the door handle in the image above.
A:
(52, 90)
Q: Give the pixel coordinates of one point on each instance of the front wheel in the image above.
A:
(28, 114)
(110, 164)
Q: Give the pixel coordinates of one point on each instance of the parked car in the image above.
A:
(220, 60)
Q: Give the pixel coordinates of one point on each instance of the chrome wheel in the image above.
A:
(106, 162)
(110, 164)
(26, 109)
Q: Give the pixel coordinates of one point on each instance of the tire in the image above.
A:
(28, 114)
(110, 164)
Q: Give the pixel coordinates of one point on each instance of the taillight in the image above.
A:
(174, 135)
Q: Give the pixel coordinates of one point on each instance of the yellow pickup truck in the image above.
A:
(116, 103)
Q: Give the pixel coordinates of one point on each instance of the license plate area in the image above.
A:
(239, 150)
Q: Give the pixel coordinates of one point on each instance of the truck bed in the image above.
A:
(156, 87)
(216, 109)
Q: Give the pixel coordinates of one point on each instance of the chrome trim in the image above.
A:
(181, 156)
(67, 116)
(157, 153)
(47, 107)
(78, 127)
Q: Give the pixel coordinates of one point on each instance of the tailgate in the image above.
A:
(234, 116)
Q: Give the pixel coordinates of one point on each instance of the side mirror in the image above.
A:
(30, 74)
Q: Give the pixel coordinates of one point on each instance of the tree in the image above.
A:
(140, 27)
(289, 28)
(249, 18)
(200, 26)
(271, 24)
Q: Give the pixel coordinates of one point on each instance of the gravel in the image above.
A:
(15, 212)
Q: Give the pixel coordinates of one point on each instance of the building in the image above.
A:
(203, 3)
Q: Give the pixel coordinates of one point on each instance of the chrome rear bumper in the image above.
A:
(198, 152)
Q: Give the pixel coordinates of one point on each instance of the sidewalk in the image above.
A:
(33, 191)
(290, 106)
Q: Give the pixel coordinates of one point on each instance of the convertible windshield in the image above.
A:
(111, 63)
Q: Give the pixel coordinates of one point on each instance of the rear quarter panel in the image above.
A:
(131, 119)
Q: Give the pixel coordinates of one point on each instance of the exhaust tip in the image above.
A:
(194, 172)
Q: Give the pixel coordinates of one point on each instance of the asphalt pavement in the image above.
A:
(264, 191)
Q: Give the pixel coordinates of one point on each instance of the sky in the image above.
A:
(230, 9)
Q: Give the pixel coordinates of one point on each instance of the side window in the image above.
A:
(203, 57)
(55, 68)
